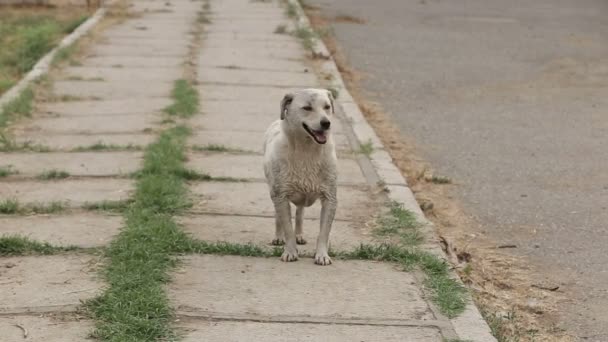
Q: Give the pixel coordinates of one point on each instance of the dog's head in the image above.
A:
(308, 113)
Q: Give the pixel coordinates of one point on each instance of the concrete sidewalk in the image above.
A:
(244, 69)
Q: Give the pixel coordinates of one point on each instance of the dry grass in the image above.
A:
(500, 282)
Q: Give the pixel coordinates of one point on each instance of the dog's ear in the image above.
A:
(284, 103)
(331, 101)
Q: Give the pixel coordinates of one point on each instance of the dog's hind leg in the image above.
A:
(328, 211)
(299, 225)
(283, 220)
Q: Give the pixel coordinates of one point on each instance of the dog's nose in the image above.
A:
(325, 123)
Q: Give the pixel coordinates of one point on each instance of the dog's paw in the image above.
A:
(322, 259)
(278, 242)
(289, 255)
(300, 240)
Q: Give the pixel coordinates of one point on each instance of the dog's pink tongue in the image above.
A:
(321, 137)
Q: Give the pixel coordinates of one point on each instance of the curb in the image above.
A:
(469, 325)
(43, 65)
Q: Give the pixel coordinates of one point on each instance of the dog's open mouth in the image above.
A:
(319, 137)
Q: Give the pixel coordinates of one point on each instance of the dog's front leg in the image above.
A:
(283, 219)
(328, 211)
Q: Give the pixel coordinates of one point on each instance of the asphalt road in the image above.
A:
(509, 98)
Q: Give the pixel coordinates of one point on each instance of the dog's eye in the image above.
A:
(327, 107)
(307, 108)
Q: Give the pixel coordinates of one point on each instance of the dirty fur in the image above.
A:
(300, 168)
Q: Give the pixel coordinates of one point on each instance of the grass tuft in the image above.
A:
(291, 10)
(101, 146)
(307, 36)
(13, 207)
(217, 148)
(185, 99)
(11, 245)
(366, 148)
(281, 29)
(112, 206)
(6, 171)
(135, 307)
(399, 222)
(20, 106)
(53, 174)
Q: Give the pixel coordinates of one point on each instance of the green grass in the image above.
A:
(334, 92)
(291, 10)
(63, 54)
(185, 100)
(217, 148)
(27, 34)
(306, 36)
(101, 146)
(7, 144)
(53, 174)
(366, 148)
(439, 179)
(448, 294)
(401, 223)
(20, 106)
(134, 306)
(13, 207)
(6, 171)
(73, 25)
(112, 206)
(11, 245)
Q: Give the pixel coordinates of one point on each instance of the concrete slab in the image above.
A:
(243, 107)
(275, 53)
(126, 50)
(252, 63)
(75, 163)
(110, 74)
(78, 229)
(249, 142)
(135, 62)
(211, 42)
(213, 331)
(357, 289)
(344, 236)
(251, 167)
(74, 191)
(45, 328)
(132, 89)
(254, 199)
(51, 280)
(95, 124)
(67, 142)
(245, 93)
(253, 77)
(106, 107)
(224, 120)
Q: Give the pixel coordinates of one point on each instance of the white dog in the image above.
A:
(300, 167)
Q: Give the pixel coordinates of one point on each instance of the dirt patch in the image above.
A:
(516, 303)
(348, 19)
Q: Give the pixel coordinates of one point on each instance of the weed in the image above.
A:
(101, 146)
(63, 54)
(53, 174)
(399, 222)
(366, 148)
(9, 206)
(73, 25)
(216, 148)
(113, 206)
(20, 106)
(291, 10)
(438, 179)
(307, 37)
(6, 171)
(134, 306)
(281, 29)
(13, 207)
(11, 245)
(334, 92)
(7, 144)
(185, 99)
